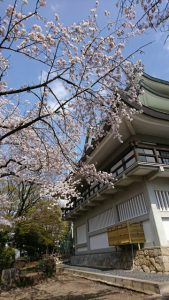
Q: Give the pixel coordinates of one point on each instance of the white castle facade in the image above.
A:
(128, 226)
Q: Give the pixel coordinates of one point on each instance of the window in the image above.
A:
(130, 162)
(132, 208)
(162, 200)
(146, 155)
(163, 157)
(102, 220)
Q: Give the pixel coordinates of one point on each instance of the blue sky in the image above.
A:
(155, 57)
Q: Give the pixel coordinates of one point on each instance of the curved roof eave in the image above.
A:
(155, 79)
(155, 86)
(146, 110)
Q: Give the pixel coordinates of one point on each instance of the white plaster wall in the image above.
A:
(113, 200)
(166, 227)
(148, 232)
(99, 241)
(81, 234)
(155, 213)
(81, 249)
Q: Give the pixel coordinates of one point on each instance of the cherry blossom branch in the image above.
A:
(32, 87)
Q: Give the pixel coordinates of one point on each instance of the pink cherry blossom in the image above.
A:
(83, 78)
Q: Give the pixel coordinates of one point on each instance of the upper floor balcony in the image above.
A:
(139, 160)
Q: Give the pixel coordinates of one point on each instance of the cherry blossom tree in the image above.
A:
(40, 131)
(20, 196)
(146, 13)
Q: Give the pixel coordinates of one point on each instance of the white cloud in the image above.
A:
(60, 92)
(55, 7)
(166, 45)
(58, 89)
(43, 76)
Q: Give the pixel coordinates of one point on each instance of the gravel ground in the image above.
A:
(127, 273)
(69, 287)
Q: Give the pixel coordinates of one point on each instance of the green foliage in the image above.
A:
(48, 266)
(7, 258)
(40, 230)
(32, 238)
(7, 254)
(66, 247)
(4, 237)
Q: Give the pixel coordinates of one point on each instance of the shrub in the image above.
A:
(48, 266)
(7, 258)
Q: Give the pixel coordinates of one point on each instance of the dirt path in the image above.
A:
(66, 287)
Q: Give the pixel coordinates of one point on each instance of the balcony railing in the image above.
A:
(138, 153)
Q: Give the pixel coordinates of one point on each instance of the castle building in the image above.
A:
(127, 226)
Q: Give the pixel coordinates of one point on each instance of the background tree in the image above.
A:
(7, 253)
(41, 229)
(20, 196)
(40, 132)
